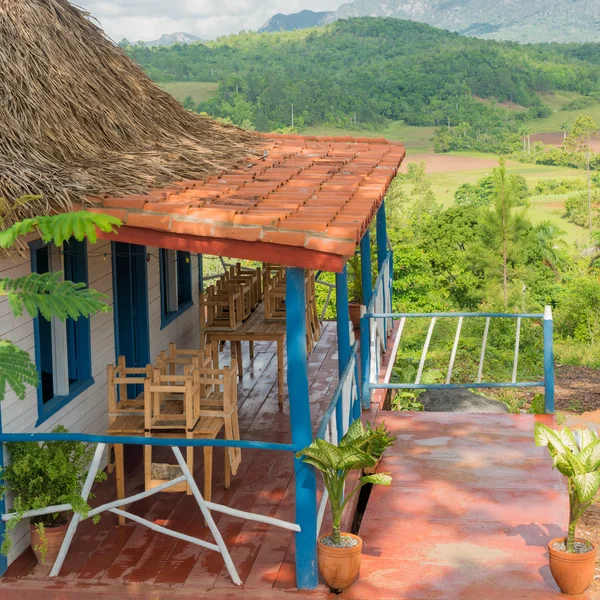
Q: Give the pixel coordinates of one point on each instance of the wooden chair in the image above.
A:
(220, 402)
(223, 308)
(243, 290)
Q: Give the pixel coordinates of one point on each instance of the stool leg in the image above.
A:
(147, 467)
(240, 365)
(227, 460)
(251, 344)
(120, 468)
(280, 372)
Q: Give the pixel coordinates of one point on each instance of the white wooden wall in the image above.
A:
(87, 413)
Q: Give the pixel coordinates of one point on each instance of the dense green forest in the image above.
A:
(362, 72)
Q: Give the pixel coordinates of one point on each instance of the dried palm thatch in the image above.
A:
(78, 118)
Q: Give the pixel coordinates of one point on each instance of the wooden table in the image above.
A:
(255, 329)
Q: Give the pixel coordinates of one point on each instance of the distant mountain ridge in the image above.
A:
(515, 20)
(169, 39)
(302, 20)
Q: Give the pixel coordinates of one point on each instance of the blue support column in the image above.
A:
(201, 272)
(3, 559)
(343, 334)
(381, 229)
(306, 481)
(548, 362)
(365, 265)
(365, 362)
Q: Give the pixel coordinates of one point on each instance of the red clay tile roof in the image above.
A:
(306, 203)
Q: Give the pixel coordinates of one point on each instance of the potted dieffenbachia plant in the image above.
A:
(576, 454)
(339, 553)
(42, 475)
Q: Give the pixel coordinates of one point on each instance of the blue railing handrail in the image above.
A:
(142, 441)
(338, 392)
(378, 281)
(371, 315)
(451, 386)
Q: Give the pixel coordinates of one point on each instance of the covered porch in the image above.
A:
(108, 561)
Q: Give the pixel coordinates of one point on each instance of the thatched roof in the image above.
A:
(78, 118)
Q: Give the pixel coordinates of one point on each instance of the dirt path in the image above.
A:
(577, 389)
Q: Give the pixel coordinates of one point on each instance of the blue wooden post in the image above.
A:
(548, 362)
(365, 265)
(381, 229)
(343, 332)
(3, 559)
(306, 481)
(201, 272)
(365, 362)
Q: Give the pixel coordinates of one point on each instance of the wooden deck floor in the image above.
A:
(107, 561)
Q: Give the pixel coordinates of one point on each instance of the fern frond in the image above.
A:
(47, 295)
(60, 228)
(17, 370)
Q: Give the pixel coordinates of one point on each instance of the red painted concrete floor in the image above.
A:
(471, 509)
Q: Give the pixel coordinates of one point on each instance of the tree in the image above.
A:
(525, 133)
(503, 228)
(46, 294)
(584, 129)
(565, 128)
(421, 193)
(189, 103)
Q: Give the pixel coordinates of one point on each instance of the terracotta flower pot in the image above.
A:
(573, 573)
(54, 537)
(354, 309)
(339, 566)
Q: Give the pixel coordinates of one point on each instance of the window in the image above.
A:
(175, 284)
(62, 348)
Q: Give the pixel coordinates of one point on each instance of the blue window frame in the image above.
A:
(62, 349)
(175, 284)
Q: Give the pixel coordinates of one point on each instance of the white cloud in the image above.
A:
(148, 19)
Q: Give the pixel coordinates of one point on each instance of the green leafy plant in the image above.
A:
(576, 454)
(355, 280)
(42, 475)
(46, 293)
(336, 462)
(406, 400)
(378, 440)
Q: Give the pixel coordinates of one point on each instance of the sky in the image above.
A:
(149, 19)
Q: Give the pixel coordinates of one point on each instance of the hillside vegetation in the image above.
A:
(360, 73)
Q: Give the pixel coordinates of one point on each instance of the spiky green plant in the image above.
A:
(46, 294)
(355, 451)
(577, 456)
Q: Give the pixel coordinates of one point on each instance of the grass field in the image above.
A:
(416, 139)
(446, 182)
(556, 102)
(198, 90)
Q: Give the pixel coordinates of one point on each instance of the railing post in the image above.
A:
(548, 362)
(365, 361)
(381, 230)
(365, 265)
(201, 272)
(306, 481)
(343, 334)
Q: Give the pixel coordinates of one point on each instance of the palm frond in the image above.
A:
(17, 370)
(60, 228)
(47, 295)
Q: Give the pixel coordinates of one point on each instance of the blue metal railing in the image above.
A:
(370, 372)
(345, 400)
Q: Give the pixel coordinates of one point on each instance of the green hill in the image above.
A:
(361, 73)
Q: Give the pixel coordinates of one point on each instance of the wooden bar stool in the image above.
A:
(220, 402)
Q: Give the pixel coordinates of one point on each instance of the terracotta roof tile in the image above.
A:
(314, 193)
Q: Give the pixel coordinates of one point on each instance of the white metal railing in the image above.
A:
(115, 505)
(342, 411)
